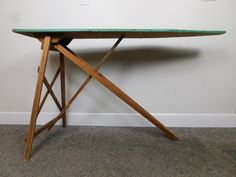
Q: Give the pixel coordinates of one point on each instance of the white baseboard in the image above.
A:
(126, 119)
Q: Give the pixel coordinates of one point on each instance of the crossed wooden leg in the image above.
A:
(81, 63)
(93, 73)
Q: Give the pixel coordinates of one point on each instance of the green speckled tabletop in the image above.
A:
(114, 33)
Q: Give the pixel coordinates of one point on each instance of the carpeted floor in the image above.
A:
(119, 152)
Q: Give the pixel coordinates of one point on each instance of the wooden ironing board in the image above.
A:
(57, 40)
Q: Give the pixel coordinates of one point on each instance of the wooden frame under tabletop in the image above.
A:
(57, 40)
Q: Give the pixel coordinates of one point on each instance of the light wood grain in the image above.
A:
(32, 124)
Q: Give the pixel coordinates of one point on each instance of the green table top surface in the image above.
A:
(114, 33)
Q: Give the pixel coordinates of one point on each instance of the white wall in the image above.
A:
(177, 76)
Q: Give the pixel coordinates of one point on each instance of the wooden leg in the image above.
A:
(63, 95)
(31, 127)
(81, 63)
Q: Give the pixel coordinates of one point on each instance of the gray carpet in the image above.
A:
(119, 152)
